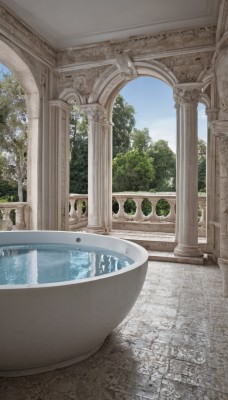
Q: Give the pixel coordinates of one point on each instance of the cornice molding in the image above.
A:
(140, 46)
(19, 34)
(144, 57)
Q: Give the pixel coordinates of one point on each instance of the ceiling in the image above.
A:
(70, 23)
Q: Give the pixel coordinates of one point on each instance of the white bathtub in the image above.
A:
(49, 326)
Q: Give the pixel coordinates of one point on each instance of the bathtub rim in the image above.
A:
(140, 261)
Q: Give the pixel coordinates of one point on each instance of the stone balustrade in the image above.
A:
(128, 211)
(152, 199)
(78, 215)
(137, 219)
(19, 221)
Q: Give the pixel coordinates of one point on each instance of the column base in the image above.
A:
(224, 267)
(183, 250)
(100, 230)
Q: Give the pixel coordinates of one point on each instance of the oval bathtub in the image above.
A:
(49, 326)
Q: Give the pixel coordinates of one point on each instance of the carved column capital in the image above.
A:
(187, 93)
(95, 113)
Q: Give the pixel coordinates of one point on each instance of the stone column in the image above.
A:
(212, 114)
(99, 169)
(59, 152)
(220, 129)
(187, 96)
(223, 260)
(177, 106)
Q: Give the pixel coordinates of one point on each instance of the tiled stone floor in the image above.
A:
(173, 345)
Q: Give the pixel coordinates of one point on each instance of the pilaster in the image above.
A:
(212, 195)
(59, 165)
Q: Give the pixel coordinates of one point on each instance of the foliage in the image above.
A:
(13, 132)
(8, 191)
(79, 152)
(202, 157)
(123, 122)
(164, 166)
(140, 140)
(132, 171)
(162, 207)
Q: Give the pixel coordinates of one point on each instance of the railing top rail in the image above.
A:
(135, 194)
(13, 204)
(146, 194)
(75, 196)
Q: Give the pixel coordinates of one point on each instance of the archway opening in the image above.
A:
(28, 121)
(202, 167)
(144, 148)
(16, 63)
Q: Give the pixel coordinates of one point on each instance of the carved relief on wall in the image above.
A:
(126, 66)
(188, 67)
(145, 44)
(221, 71)
(82, 81)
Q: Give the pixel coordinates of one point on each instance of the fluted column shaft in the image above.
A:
(177, 106)
(187, 96)
(57, 176)
(220, 129)
(99, 170)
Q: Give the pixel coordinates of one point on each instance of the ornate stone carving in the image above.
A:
(221, 67)
(95, 113)
(80, 83)
(126, 65)
(137, 45)
(188, 67)
(186, 95)
(81, 80)
(223, 141)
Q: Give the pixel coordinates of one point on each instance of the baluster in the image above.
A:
(153, 216)
(121, 213)
(20, 218)
(202, 221)
(172, 215)
(85, 214)
(79, 210)
(138, 216)
(72, 213)
(6, 223)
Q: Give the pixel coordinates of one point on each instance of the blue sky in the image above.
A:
(154, 106)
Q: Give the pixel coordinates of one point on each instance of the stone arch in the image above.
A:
(20, 67)
(113, 79)
(205, 99)
(69, 95)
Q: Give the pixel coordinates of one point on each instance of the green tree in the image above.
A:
(79, 152)
(202, 157)
(164, 166)
(123, 122)
(13, 132)
(140, 139)
(132, 171)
